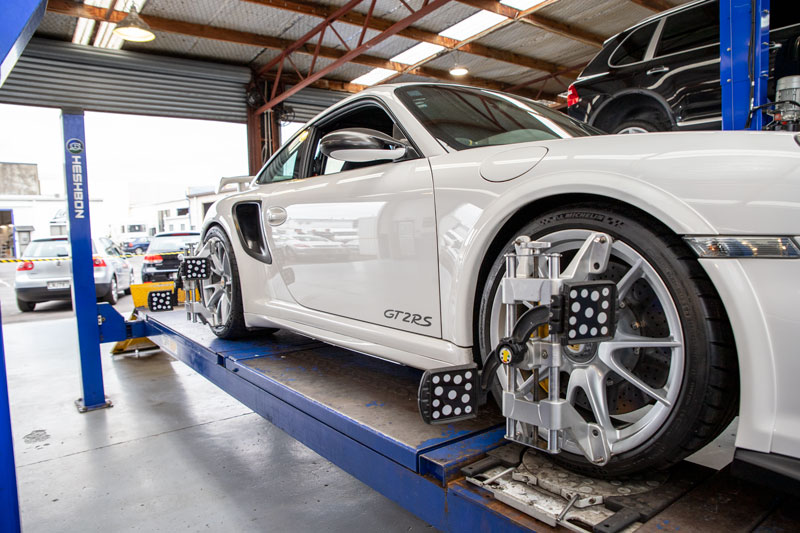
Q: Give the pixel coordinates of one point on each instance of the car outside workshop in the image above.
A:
(517, 265)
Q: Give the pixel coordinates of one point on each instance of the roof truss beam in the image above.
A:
(544, 23)
(381, 24)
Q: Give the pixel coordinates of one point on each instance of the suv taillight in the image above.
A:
(572, 96)
(153, 259)
(27, 265)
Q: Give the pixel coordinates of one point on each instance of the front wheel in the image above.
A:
(222, 293)
(667, 383)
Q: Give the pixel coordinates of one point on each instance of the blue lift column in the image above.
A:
(744, 69)
(80, 236)
(18, 21)
(9, 506)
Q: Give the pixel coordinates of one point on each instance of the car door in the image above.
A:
(114, 260)
(358, 240)
(684, 68)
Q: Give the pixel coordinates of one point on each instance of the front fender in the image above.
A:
(461, 262)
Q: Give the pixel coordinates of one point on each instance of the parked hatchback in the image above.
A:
(664, 73)
(47, 272)
(161, 258)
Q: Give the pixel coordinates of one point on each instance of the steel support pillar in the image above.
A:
(744, 61)
(80, 236)
(9, 501)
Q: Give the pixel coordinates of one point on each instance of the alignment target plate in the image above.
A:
(448, 394)
(590, 311)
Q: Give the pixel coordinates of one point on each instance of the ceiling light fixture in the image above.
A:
(133, 28)
(458, 69)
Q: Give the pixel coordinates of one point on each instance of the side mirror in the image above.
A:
(361, 145)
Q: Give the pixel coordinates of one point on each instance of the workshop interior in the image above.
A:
(399, 265)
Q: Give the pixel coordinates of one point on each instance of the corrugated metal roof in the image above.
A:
(601, 17)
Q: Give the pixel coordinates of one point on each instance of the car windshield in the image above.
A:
(50, 248)
(463, 117)
(172, 243)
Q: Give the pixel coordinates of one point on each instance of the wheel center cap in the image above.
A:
(580, 353)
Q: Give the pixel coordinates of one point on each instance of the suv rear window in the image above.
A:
(690, 29)
(634, 47)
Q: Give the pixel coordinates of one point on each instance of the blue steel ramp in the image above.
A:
(370, 400)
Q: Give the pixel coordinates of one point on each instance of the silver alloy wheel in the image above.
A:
(608, 364)
(632, 129)
(218, 290)
(114, 290)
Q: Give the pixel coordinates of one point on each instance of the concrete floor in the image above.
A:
(174, 453)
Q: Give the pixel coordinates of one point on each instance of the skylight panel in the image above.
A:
(417, 53)
(374, 76)
(473, 25)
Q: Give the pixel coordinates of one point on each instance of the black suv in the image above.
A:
(161, 261)
(663, 73)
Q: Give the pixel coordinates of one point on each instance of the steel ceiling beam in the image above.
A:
(416, 34)
(353, 54)
(544, 23)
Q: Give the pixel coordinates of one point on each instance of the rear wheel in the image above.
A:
(25, 307)
(112, 296)
(667, 383)
(637, 126)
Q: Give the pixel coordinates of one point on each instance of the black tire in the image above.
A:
(112, 296)
(25, 307)
(235, 326)
(707, 399)
(643, 124)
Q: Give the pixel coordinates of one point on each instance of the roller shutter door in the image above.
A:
(58, 74)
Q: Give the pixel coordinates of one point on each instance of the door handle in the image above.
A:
(276, 216)
(657, 70)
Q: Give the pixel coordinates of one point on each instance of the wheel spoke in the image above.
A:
(224, 308)
(606, 355)
(626, 340)
(592, 380)
(634, 274)
(215, 297)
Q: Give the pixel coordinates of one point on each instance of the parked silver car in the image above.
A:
(47, 273)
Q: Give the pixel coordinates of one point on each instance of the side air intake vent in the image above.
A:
(247, 217)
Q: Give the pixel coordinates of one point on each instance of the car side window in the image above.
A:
(690, 29)
(633, 48)
(369, 116)
(286, 165)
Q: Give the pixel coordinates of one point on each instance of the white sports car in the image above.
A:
(692, 238)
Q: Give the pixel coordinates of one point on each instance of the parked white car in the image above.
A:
(46, 274)
(438, 180)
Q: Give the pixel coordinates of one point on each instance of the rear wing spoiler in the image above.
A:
(240, 181)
